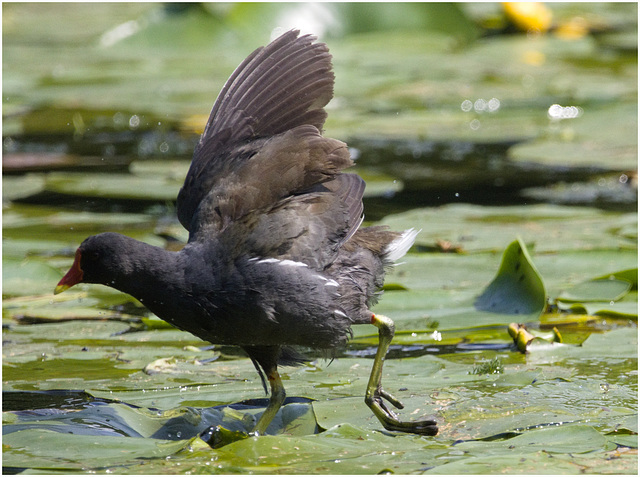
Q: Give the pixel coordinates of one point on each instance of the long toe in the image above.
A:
(427, 427)
(391, 422)
(389, 397)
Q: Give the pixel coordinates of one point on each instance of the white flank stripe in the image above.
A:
(291, 263)
(269, 260)
(329, 282)
(284, 263)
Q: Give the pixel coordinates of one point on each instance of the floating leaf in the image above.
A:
(482, 228)
(627, 309)
(610, 294)
(596, 290)
(409, 84)
(28, 277)
(630, 275)
(49, 449)
(113, 186)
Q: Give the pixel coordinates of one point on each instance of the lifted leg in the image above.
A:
(375, 394)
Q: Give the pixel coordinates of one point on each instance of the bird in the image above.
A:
(277, 258)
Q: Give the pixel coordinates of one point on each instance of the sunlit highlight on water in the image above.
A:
(481, 105)
(557, 112)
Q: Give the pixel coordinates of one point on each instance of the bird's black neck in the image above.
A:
(150, 274)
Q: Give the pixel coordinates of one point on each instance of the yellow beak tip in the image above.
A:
(60, 288)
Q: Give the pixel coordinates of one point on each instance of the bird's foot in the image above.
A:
(375, 394)
(390, 420)
(218, 436)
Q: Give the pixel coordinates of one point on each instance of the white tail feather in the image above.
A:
(396, 249)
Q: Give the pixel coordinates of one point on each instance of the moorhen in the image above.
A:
(276, 257)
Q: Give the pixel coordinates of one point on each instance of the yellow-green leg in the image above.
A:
(375, 393)
(278, 395)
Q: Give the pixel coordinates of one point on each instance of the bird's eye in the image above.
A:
(94, 256)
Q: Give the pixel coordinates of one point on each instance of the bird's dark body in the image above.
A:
(276, 256)
(244, 300)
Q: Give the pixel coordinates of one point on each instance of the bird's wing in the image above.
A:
(276, 94)
(290, 164)
(310, 228)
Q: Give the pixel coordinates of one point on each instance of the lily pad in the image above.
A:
(22, 186)
(621, 309)
(136, 81)
(41, 447)
(518, 288)
(483, 228)
(596, 290)
(27, 277)
(587, 141)
(630, 275)
(117, 419)
(120, 186)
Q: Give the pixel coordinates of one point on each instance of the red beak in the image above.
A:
(73, 276)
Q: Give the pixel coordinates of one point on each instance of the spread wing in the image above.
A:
(269, 111)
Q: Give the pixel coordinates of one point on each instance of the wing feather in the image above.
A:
(277, 88)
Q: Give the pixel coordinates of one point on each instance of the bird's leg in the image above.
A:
(275, 401)
(265, 359)
(375, 393)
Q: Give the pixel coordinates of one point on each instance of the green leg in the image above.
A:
(375, 393)
(275, 402)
